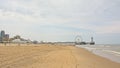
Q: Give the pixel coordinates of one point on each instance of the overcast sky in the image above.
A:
(62, 20)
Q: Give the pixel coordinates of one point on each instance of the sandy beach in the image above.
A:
(51, 56)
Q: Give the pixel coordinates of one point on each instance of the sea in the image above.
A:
(109, 51)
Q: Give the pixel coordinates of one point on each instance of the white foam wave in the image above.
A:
(114, 52)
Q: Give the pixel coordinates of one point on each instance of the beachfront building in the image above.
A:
(18, 39)
(2, 34)
(4, 37)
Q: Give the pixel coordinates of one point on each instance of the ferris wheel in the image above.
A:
(78, 39)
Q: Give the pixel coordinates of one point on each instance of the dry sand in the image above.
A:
(51, 56)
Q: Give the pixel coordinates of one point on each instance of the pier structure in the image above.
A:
(79, 41)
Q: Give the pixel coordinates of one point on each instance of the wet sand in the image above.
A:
(51, 56)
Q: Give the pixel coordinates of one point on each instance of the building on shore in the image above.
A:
(4, 37)
(92, 42)
(18, 39)
(2, 34)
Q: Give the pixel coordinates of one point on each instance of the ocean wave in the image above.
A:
(114, 52)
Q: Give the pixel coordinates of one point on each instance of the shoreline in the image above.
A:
(51, 56)
(108, 54)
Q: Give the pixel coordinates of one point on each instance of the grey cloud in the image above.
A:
(89, 12)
